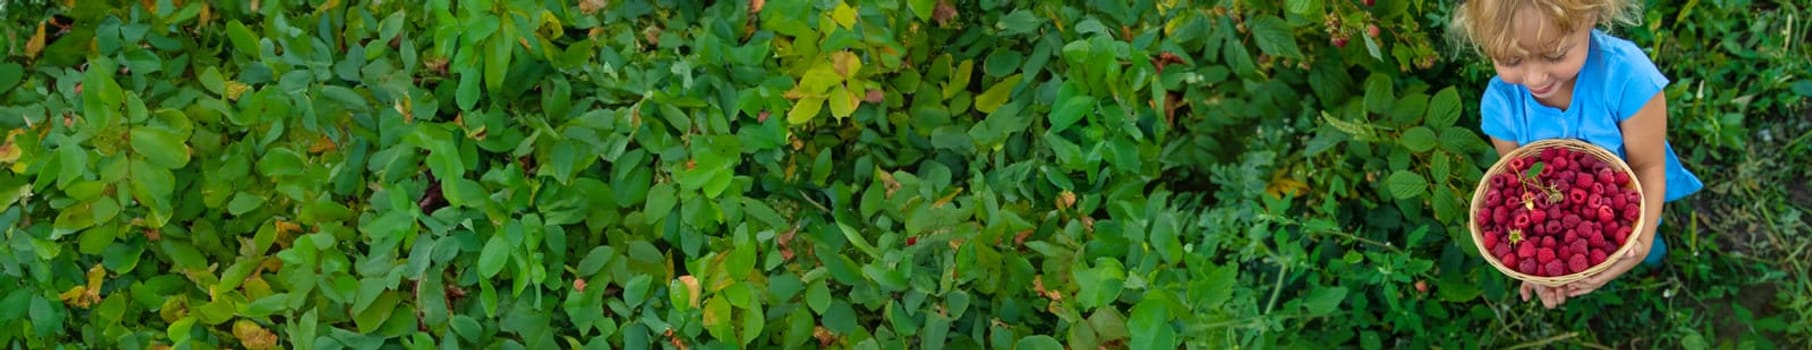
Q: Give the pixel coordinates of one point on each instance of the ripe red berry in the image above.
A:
(1576, 196)
(1503, 253)
(1594, 200)
(1596, 241)
(1538, 216)
(1570, 220)
(1631, 211)
(1517, 164)
(1340, 42)
(1547, 155)
(1620, 178)
(1520, 221)
(910, 241)
(1571, 234)
(1555, 268)
(1529, 266)
(1544, 255)
(1597, 257)
(1369, 2)
(1620, 235)
(1580, 246)
(1371, 30)
(1525, 250)
(1577, 264)
(1490, 240)
(1605, 215)
(1547, 242)
(1619, 201)
(1561, 163)
(1598, 189)
(1604, 176)
(1584, 181)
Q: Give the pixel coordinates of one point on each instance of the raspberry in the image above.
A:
(1605, 215)
(1528, 266)
(1599, 189)
(1604, 176)
(1619, 201)
(1620, 235)
(1555, 268)
(1561, 163)
(1597, 257)
(1544, 255)
(1581, 246)
(1576, 196)
(1516, 164)
(1511, 180)
(1570, 220)
(1595, 241)
(1500, 216)
(1584, 181)
(1483, 218)
(1631, 212)
(1547, 242)
(1503, 252)
(1520, 221)
(1620, 178)
(1490, 240)
(1548, 155)
(1577, 264)
(1553, 226)
(1525, 250)
(1571, 235)
(1538, 216)
(1594, 200)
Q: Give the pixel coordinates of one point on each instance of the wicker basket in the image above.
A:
(1533, 148)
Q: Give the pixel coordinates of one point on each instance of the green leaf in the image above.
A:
(1378, 94)
(1274, 37)
(595, 260)
(1441, 167)
(1443, 109)
(1150, 326)
(1304, 7)
(1002, 62)
(804, 110)
(1071, 111)
(1020, 21)
(467, 94)
(1099, 285)
(959, 78)
(717, 319)
(818, 296)
(10, 74)
(242, 38)
(1535, 170)
(997, 95)
(160, 147)
(661, 200)
(243, 203)
(379, 312)
(1405, 184)
(346, 97)
(1038, 342)
(490, 260)
(922, 8)
(1418, 139)
(1323, 300)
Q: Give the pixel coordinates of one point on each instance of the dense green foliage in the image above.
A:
(801, 174)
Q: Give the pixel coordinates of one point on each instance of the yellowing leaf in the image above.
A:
(1281, 185)
(235, 89)
(253, 336)
(846, 64)
(692, 291)
(843, 102)
(804, 110)
(844, 15)
(9, 152)
(36, 43)
(997, 95)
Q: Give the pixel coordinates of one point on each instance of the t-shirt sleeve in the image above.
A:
(1635, 80)
(1496, 112)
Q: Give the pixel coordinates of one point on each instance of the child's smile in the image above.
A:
(1546, 59)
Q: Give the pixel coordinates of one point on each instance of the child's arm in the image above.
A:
(1644, 137)
(1503, 147)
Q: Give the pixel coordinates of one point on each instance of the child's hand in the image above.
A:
(1552, 297)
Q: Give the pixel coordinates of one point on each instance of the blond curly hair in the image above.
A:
(1484, 26)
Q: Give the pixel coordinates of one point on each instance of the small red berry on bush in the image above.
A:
(1372, 30)
(1369, 2)
(1340, 42)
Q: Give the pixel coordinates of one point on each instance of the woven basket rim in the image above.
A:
(1478, 196)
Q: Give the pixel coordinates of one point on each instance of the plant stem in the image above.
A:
(1537, 343)
(1277, 289)
(1367, 241)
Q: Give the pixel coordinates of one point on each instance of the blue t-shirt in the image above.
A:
(1616, 81)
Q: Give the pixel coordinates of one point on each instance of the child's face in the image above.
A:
(1550, 57)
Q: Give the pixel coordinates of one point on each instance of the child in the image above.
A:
(1559, 76)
